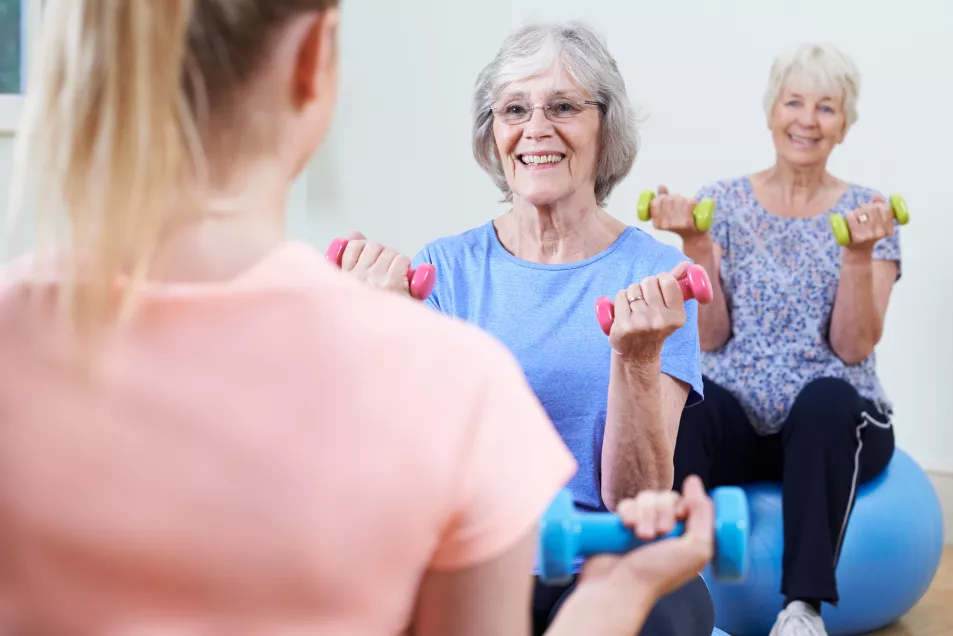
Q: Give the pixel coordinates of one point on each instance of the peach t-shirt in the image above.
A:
(290, 449)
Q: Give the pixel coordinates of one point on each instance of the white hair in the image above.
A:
(816, 67)
(575, 48)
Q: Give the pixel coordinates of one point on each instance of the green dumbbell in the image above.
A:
(704, 211)
(842, 232)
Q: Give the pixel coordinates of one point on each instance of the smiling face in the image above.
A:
(547, 159)
(807, 124)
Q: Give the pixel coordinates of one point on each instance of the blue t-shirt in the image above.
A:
(545, 314)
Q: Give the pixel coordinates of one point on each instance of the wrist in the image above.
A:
(857, 256)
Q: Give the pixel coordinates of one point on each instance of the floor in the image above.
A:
(933, 615)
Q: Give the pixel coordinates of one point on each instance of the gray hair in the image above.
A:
(821, 67)
(537, 48)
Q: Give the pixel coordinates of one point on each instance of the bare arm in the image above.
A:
(860, 306)
(604, 610)
(714, 321)
(614, 594)
(510, 465)
(491, 598)
(863, 290)
(673, 213)
(642, 416)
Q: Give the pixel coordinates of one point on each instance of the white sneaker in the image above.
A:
(798, 619)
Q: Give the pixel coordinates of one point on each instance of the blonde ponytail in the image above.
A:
(109, 140)
(120, 100)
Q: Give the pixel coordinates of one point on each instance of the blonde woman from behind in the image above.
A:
(205, 427)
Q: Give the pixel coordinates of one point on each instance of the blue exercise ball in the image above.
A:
(891, 553)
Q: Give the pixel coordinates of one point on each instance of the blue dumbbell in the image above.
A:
(566, 534)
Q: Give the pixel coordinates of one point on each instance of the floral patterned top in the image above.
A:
(779, 277)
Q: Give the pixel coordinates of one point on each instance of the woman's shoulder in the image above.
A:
(856, 194)
(648, 254)
(730, 189)
(26, 272)
(454, 246)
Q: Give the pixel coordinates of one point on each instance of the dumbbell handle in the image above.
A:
(703, 213)
(695, 284)
(842, 230)
(567, 535)
(422, 279)
(604, 533)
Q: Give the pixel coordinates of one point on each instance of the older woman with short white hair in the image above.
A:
(554, 129)
(791, 388)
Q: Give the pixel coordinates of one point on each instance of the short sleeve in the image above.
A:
(888, 248)
(719, 229)
(513, 465)
(424, 257)
(719, 225)
(681, 352)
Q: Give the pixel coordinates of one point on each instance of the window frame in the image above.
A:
(11, 106)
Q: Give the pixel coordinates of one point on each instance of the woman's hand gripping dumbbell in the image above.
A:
(675, 547)
(870, 222)
(381, 266)
(693, 282)
(676, 214)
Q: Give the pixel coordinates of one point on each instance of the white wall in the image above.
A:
(398, 163)
(6, 168)
(399, 167)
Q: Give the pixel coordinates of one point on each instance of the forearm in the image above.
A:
(638, 447)
(856, 321)
(597, 610)
(714, 322)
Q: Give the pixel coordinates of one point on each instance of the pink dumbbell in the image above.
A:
(695, 284)
(421, 279)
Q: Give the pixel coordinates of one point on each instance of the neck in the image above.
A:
(798, 183)
(234, 223)
(563, 232)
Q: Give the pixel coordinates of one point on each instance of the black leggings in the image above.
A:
(832, 441)
(688, 611)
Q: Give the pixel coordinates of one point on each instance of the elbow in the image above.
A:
(661, 479)
(854, 355)
(712, 340)
(609, 500)
(610, 492)
(856, 349)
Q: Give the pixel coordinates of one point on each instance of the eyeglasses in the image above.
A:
(519, 112)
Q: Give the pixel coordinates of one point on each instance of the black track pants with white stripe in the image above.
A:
(832, 441)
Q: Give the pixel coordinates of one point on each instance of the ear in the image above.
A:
(317, 56)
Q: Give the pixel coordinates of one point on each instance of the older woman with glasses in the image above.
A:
(555, 131)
